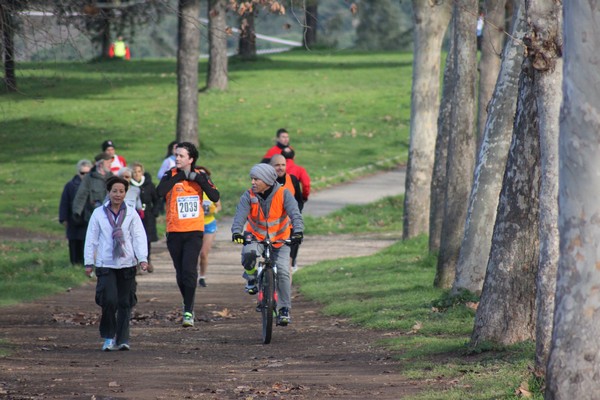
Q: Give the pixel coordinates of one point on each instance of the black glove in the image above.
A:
(296, 238)
(237, 238)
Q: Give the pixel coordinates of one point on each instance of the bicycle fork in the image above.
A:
(260, 297)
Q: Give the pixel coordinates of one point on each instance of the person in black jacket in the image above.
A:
(150, 204)
(75, 232)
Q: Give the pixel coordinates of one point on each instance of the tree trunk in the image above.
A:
(217, 77)
(431, 22)
(461, 144)
(545, 44)
(7, 29)
(188, 52)
(489, 64)
(506, 312)
(247, 43)
(309, 37)
(491, 163)
(573, 368)
(438, 180)
(105, 35)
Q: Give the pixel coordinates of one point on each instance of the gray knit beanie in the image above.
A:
(265, 173)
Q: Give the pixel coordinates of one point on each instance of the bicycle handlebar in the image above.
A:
(267, 241)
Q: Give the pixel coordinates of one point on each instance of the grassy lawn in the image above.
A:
(33, 269)
(344, 111)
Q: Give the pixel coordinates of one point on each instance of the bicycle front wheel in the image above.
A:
(268, 304)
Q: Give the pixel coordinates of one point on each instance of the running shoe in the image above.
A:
(283, 317)
(251, 287)
(109, 345)
(188, 319)
(123, 347)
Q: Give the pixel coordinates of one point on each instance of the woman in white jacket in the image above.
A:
(115, 243)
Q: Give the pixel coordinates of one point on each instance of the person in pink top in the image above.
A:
(282, 138)
(117, 162)
(299, 172)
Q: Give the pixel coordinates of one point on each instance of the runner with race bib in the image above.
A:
(183, 188)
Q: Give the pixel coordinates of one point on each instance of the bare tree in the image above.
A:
(573, 367)
(309, 31)
(188, 36)
(247, 42)
(7, 29)
(491, 163)
(506, 312)
(544, 48)
(431, 22)
(217, 77)
(489, 63)
(461, 143)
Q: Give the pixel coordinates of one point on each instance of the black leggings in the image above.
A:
(184, 248)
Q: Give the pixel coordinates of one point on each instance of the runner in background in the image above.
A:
(210, 231)
(116, 162)
(282, 140)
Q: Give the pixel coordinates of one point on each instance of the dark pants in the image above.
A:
(184, 248)
(115, 293)
(76, 251)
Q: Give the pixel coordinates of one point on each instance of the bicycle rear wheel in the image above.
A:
(268, 304)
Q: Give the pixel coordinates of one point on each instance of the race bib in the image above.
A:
(188, 207)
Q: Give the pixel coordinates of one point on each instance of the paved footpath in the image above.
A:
(362, 191)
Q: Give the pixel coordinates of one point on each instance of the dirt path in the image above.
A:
(55, 346)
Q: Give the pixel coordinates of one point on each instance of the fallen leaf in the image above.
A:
(225, 313)
(472, 305)
(417, 327)
(113, 384)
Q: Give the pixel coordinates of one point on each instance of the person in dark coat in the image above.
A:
(92, 191)
(150, 204)
(75, 232)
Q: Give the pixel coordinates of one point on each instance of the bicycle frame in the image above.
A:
(267, 286)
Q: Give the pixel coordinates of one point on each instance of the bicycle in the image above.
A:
(267, 286)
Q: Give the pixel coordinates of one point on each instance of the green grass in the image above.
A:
(344, 111)
(29, 270)
(384, 215)
(392, 290)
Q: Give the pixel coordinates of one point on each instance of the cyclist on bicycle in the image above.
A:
(267, 208)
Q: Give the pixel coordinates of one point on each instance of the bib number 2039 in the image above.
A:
(188, 207)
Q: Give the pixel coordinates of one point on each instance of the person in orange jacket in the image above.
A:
(183, 188)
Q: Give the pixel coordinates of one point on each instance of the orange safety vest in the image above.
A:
(184, 206)
(289, 185)
(276, 224)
